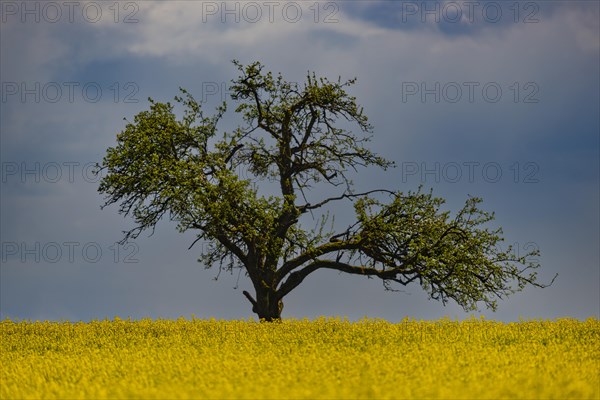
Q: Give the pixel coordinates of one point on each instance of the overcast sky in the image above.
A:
(492, 99)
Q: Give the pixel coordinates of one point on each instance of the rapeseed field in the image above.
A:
(324, 358)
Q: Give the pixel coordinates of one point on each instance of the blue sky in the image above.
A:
(500, 101)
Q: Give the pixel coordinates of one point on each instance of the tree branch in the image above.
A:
(297, 277)
(251, 299)
(308, 206)
(311, 254)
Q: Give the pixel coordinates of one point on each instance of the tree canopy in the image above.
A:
(291, 141)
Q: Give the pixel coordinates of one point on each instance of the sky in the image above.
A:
(498, 100)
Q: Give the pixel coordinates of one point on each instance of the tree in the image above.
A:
(291, 141)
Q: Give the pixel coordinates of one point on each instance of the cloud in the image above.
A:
(187, 44)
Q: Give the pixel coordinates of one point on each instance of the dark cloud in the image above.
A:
(453, 18)
(546, 151)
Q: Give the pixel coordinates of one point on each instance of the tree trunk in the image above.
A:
(266, 305)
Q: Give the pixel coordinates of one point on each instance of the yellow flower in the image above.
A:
(324, 358)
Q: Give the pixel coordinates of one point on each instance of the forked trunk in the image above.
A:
(266, 305)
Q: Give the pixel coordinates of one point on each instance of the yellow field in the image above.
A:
(325, 358)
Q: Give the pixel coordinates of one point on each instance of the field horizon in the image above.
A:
(343, 318)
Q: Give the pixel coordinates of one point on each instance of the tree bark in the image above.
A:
(267, 305)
